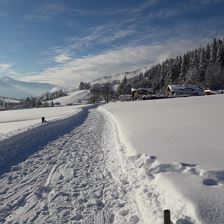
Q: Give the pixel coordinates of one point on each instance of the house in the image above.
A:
(140, 92)
(209, 92)
(213, 92)
(184, 90)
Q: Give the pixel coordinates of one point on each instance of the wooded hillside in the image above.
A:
(203, 66)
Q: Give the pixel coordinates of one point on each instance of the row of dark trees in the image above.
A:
(203, 67)
(103, 91)
(100, 91)
(84, 85)
(35, 102)
(53, 95)
(45, 100)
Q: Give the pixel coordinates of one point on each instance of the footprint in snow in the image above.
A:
(210, 182)
(124, 212)
(166, 167)
(185, 220)
(219, 175)
(134, 219)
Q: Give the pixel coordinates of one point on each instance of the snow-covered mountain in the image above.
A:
(19, 89)
(120, 76)
(8, 100)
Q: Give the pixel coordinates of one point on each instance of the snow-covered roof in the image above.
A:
(184, 88)
(209, 91)
(139, 89)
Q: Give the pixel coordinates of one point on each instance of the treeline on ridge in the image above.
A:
(203, 66)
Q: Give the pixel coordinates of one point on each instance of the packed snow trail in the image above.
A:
(76, 178)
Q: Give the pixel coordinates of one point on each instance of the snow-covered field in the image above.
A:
(179, 145)
(187, 130)
(74, 97)
(14, 121)
(117, 163)
(76, 177)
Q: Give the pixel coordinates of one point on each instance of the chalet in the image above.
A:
(213, 92)
(184, 90)
(140, 92)
(209, 92)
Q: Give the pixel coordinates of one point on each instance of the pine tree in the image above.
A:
(222, 55)
(208, 53)
(219, 52)
(213, 52)
(202, 64)
(183, 69)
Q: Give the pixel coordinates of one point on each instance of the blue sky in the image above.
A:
(65, 42)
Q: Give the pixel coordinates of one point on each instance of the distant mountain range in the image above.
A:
(19, 89)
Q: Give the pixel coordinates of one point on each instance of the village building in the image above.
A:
(184, 90)
(213, 92)
(141, 92)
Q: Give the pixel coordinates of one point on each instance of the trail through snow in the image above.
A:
(77, 178)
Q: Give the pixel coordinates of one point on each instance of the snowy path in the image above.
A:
(78, 178)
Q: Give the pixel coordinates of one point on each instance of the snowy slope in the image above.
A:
(74, 97)
(119, 77)
(175, 153)
(18, 89)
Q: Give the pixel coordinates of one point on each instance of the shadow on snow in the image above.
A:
(19, 147)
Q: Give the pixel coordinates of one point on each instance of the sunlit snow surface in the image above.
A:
(143, 156)
(187, 130)
(66, 171)
(178, 146)
(14, 121)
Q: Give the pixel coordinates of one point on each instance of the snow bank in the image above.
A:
(22, 145)
(173, 150)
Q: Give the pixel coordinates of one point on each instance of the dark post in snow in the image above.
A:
(133, 95)
(43, 120)
(166, 216)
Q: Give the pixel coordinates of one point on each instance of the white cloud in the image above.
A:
(205, 2)
(120, 34)
(88, 68)
(62, 58)
(101, 35)
(48, 11)
(70, 71)
(5, 66)
(8, 70)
